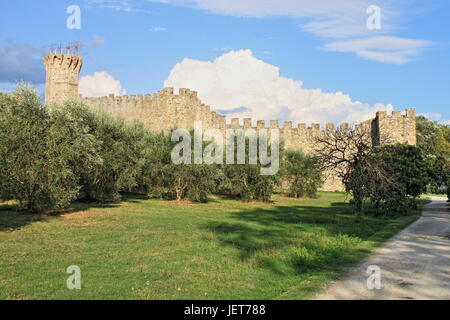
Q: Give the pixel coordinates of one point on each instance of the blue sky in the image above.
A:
(326, 45)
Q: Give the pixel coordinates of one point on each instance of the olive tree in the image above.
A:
(119, 152)
(36, 152)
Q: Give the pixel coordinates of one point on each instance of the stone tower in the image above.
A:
(62, 76)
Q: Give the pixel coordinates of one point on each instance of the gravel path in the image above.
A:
(415, 264)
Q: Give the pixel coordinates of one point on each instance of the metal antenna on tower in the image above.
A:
(76, 47)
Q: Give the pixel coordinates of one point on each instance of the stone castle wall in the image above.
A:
(161, 111)
(165, 110)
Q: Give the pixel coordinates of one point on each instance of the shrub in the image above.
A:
(448, 189)
(161, 177)
(193, 182)
(408, 165)
(301, 174)
(246, 182)
(434, 141)
(407, 172)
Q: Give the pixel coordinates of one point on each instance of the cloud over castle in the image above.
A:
(240, 85)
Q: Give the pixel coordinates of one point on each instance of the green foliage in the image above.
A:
(246, 182)
(391, 176)
(36, 153)
(434, 141)
(193, 182)
(50, 158)
(345, 153)
(408, 164)
(407, 170)
(118, 153)
(444, 150)
(156, 156)
(301, 174)
(448, 189)
(428, 135)
(162, 178)
(444, 145)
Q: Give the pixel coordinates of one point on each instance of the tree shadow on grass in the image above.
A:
(297, 239)
(135, 197)
(13, 217)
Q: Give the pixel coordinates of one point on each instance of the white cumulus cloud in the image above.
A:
(100, 84)
(240, 85)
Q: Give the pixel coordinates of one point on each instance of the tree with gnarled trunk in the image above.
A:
(346, 153)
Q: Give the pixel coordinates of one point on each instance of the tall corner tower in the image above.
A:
(62, 73)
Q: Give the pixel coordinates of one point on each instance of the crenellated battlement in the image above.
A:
(63, 62)
(287, 125)
(62, 71)
(161, 110)
(185, 107)
(395, 127)
(409, 113)
(165, 93)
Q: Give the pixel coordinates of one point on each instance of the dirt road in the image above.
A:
(415, 264)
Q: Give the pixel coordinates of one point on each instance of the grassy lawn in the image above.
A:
(152, 249)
